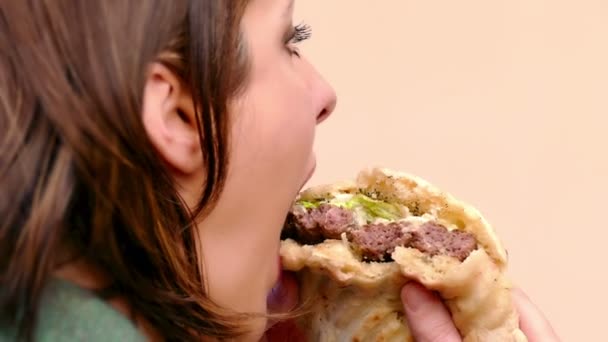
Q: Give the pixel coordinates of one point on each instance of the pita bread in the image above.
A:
(360, 301)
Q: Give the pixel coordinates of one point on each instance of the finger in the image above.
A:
(284, 296)
(428, 319)
(531, 321)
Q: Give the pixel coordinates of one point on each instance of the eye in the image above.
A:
(300, 33)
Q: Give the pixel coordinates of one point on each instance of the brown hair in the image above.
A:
(76, 167)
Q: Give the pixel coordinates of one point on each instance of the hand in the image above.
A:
(430, 320)
(284, 297)
(531, 321)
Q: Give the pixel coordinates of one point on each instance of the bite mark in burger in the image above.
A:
(374, 228)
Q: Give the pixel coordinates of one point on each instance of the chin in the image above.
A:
(308, 175)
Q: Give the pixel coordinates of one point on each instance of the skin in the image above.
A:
(427, 316)
(431, 322)
(273, 127)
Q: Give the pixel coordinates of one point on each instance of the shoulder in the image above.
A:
(68, 312)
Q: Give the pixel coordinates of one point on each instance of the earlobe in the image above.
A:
(168, 117)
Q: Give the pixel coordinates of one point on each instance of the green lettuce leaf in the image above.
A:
(310, 204)
(376, 208)
(372, 208)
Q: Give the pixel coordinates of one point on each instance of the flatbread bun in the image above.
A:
(358, 300)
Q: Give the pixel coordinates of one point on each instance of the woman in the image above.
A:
(150, 152)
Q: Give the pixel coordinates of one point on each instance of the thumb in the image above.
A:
(428, 319)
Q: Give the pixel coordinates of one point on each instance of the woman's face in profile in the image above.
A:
(273, 128)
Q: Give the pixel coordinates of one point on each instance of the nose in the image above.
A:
(330, 100)
(324, 96)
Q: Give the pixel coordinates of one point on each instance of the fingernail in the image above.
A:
(416, 297)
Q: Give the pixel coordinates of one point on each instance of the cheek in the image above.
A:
(277, 124)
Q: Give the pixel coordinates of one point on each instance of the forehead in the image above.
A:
(271, 7)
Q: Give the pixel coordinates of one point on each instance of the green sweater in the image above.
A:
(71, 313)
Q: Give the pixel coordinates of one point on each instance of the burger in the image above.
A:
(355, 244)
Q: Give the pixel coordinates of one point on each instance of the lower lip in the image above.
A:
(280, 267)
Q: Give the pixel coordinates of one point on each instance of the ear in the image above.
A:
(169, 119)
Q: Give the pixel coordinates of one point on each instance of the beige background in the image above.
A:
(504, 104)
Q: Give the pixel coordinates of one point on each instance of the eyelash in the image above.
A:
(301, 32)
